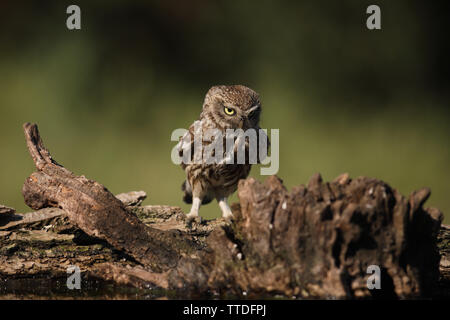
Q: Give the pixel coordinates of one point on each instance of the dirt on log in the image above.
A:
(316, 241)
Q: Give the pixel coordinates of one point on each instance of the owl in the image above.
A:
(224, 107)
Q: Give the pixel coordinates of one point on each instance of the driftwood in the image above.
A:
(313, 242)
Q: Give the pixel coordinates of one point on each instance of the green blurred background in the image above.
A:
(346, 99)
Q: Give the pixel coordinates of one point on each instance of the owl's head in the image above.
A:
(232, 107)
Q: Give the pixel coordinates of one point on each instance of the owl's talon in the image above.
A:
(193, 218)
(193, 214)
(228, 219)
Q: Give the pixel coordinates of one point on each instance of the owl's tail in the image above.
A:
(187, 197)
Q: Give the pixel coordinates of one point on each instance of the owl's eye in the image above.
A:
(229, 111)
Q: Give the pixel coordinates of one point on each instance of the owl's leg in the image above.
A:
(226, 211)
(196, 201)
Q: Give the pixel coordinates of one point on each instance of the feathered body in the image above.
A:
(224, 107)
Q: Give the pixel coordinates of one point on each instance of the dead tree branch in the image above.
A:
(92, 208)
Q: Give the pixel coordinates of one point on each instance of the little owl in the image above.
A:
(224, 107)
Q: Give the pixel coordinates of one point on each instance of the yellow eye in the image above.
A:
(229, 111)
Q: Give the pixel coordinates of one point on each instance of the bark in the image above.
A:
(318, 240)
(35, 219)
(92, 208)
(5, 211)
(41, 245)
(443, 290)
(315, 241)
(133, 198)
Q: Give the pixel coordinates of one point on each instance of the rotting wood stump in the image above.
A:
(318, 240)
(313, 242)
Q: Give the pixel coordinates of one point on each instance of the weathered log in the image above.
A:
(42, 256)
(133, 198)
(42, 251)
(318, 241)
(5, 211)
(38, 218)
(55, 217)
(51, 217)
(313, 242)
(91, 207)
(444, 266)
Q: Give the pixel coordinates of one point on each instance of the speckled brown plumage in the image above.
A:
(205, 182)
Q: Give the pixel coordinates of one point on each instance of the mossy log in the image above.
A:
(313, 242)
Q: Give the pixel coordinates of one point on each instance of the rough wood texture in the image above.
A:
(40, 245)
(41, 255)
(133, 198)
(318, 240)
(38, 254)
(313, 242)
(39, 218)
(92, 208)
(4, 211)
(444, 266)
